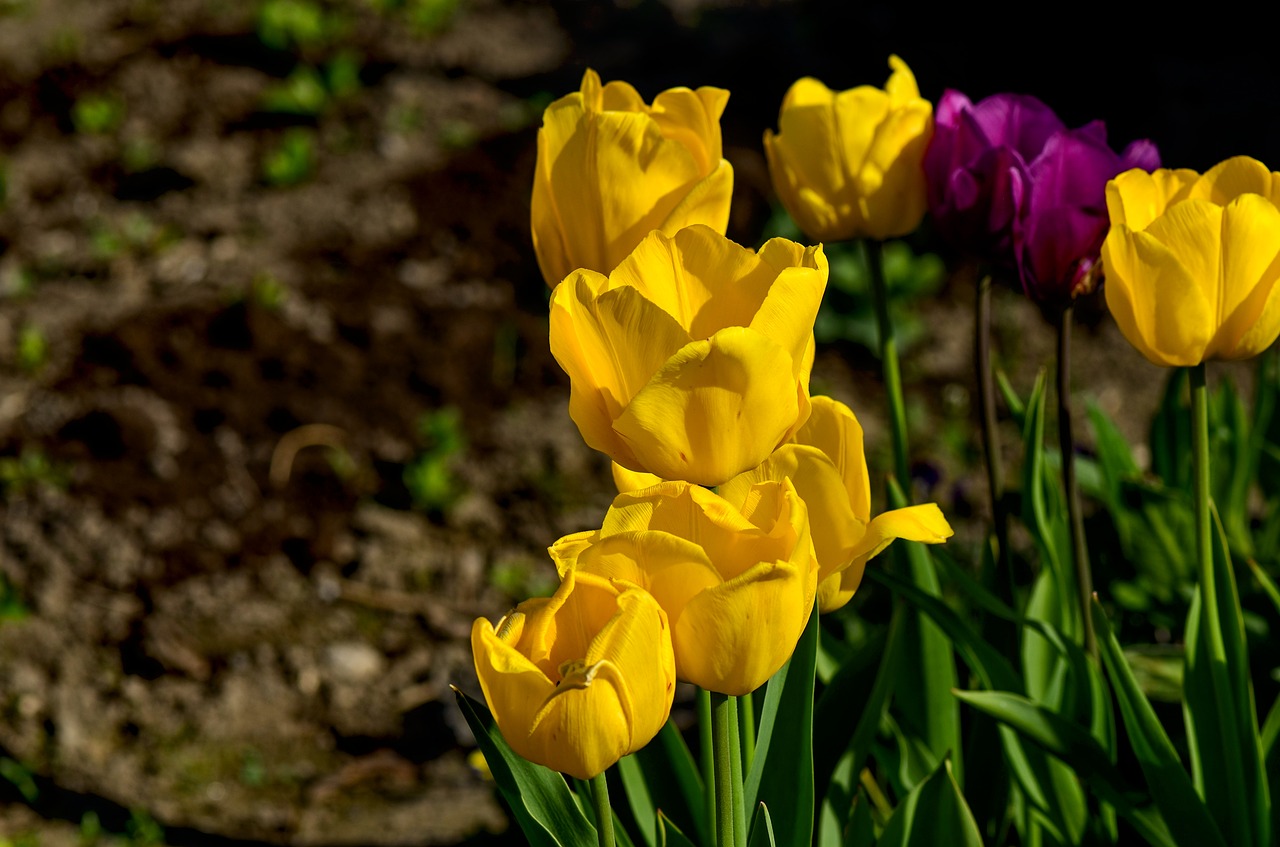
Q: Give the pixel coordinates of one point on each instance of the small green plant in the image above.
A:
(429, 17)
(33, 349)
(521, 578)
(458, 135)
(267, 292)
(253, 771)
(292, 160)
(28, 470)
(139, 154)
(20, 777)
(26, 839)
(342, 74)
(142, 830)
(90, 830)
(429, 478)
(286, 23)
(302, 93)
(97, 114)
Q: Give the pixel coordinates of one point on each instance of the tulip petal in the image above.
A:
(891, 189)
(700, 278)
(693, 119)
(707, 202)
(790, 308)
(609, 343)
(639, 636)
(1136, 198)
(614, 178)
(914, 523)
(715, 409)
(833, 429)
(545, 225)
(671, 568)
(513, 686)
(1173, 305)
(753, 621)
(626, 480)
(1230, 179)
(582, 729)
(1120, 268)
(1250, 265)
(834, 527)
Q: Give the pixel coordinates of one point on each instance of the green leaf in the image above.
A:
(761, 829)
(1171, 433)
(781, 775)
(669, 835)
(848, 692)
(1017, 408)
(1188, 817)
(673, 781)
(928, 668)
(637, 791)
(934, 813)
(861, 831)
(1077, 748)
(538, 797)
(1221, 719)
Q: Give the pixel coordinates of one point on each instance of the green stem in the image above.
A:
(1210, 621)
(747, 722)
(708, 757)
(889, 361)
(604, 812)
(735, 770)
(724, 728)
(991, 437)
(1079, 550)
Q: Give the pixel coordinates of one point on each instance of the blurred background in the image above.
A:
(277, 414)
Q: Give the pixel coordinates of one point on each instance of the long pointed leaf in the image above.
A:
(929, 669)
(1075, 746)
(1188, 817)
(781, 775)
(1226, 754)
(673, 781)
(933, 813)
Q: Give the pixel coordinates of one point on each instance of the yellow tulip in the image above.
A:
(1192, 262)
(691, 360)
(850, 164)
(610, 169)
(580, 679)
(828, 467)
(737, 584)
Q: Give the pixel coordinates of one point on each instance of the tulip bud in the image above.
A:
(580, 679)
(848, 164)
(611, 169)
(1192, 263)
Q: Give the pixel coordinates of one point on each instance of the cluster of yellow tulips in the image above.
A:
(744, 502)
(743, 499)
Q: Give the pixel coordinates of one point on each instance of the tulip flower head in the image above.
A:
(738, 585)
(580, 679)
(848, 164)
(611, 169)
(691, 360)
(1010, 185)
(827, 464)
(828, 467)
(1192, 262)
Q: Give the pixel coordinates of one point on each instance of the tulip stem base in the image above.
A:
(724, 728)
(747, 724)
(991, 439)
(604, 811)
(874, 252)
(708, 762)
(1066, 443)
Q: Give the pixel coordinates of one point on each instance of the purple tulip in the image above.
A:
(1010, 185)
